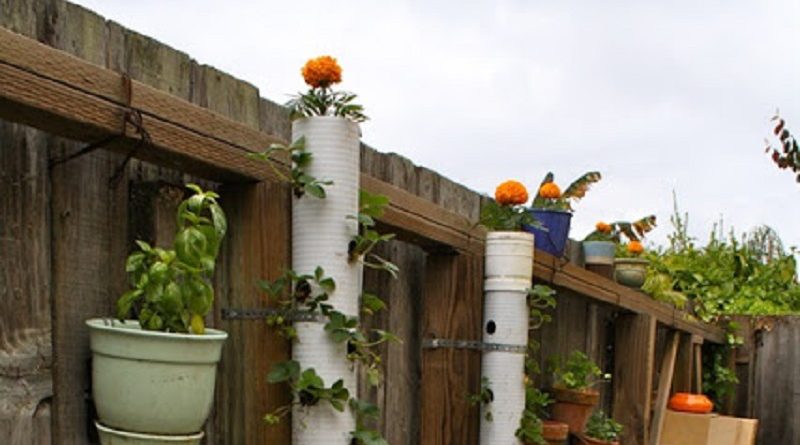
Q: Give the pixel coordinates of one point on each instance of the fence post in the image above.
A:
(634, 357)
(452, 309)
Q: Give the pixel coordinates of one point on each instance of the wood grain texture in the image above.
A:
(682, 381)
(453, 309)
(26, 386)
(633, 375)
(664, 384)
(255, 248)
(777, 380)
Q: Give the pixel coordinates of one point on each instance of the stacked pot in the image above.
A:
(509, 268)
(150, 387)
(322, 230)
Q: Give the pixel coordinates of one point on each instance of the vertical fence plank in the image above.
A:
(452, 309)
(633, 375)
(664, 385)
(257, 247)
(682, 381)
(25, 340)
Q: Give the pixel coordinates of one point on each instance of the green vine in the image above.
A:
(371, 207)
(308, 294)
(301, 181)
(484, 397)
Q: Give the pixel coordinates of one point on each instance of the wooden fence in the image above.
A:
(66, 227)
(768, 368)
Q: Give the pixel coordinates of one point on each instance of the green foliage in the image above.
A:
(365, 414)
(578, 372)
(360, 343)
(484, 397)
(602, 427)
(571, 194)
(308, 388)
(633, 231)
(326, 102)
(540, 298)
(371, 207)
(301, 181)
(496, 217)
(719, 381)
(295, 293)
(173, 286)
(725, 277)
(536, 403)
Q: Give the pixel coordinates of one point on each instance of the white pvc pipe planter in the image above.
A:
(321, 233)
(509, 270)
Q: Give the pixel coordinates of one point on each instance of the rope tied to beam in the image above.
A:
(130, 116)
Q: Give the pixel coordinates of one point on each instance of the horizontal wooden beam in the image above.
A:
(64, 95)
(553, 270)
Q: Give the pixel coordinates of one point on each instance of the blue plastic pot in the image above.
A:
(599, 252)
(554, 239)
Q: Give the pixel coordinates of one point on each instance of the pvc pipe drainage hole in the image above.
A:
(491, 327)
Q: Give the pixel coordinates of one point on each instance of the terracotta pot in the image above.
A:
(585, 440)
(574, 407)
(555, 433)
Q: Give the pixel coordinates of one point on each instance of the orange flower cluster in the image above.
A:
(635, 247)
(322, 72)
(603, 227)
(550, 191)
(511, 193)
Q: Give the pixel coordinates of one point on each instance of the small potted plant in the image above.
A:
(601, 430)
(600, 246)
(575, 397)
(534, 428)
(153, 378)
(629, 268)
(554, 209)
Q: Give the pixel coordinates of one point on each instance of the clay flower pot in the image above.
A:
(555, 433)
(586, 440)
(574, 407)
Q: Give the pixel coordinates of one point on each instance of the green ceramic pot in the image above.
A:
(152, 382)
(630, 272)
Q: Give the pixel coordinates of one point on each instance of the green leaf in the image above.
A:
(284, 372)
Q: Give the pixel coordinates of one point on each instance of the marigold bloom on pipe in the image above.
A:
(511, 193)
(550, 191)
(322, 72)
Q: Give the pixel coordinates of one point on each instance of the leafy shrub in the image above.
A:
(602, 427)
(577, 373)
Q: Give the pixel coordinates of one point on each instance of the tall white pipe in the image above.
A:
(321, 232)
(509, 271)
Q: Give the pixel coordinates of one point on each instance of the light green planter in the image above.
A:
(109, 436)
(630, 272)
(152, 382)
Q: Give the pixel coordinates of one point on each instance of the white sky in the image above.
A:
(657, 96)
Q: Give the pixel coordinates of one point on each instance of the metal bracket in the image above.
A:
(262, 313)
(435, 343)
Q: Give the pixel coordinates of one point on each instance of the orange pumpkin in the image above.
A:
(690, 403)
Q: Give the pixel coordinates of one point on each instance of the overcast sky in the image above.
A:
(674, 95)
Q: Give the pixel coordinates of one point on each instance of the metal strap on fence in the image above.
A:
(435, 343)
(262, 313)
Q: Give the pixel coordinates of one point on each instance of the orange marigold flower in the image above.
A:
(322, 72)
(550, 191)
(635, 247)
(511, 193)
(603, 227)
